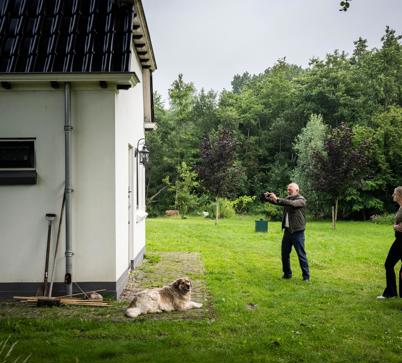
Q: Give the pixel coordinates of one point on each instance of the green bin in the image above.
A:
(261, 226)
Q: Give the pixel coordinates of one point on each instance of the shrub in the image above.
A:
(203, 203)
(226, 209)
(243, 204)
(268, 210)
(383, 219)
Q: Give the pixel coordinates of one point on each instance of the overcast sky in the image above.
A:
(210, 41)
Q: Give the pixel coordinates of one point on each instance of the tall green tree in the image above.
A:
(159, 166)
(204, 114)
(240, 81)
(390, 63)
(182, 98)
(389, 135)
(184, 189)
(308, 143)
(182, 136)
(329, 89)
(368, 198)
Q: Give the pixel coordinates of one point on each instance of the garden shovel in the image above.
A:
(57, 245)
(44, 290)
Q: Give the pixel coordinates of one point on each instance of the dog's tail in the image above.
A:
(133, 312)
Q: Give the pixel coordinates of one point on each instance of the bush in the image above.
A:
(226, 209)
(268, 210)
(203, 203)
(243, 204)
(383, 219)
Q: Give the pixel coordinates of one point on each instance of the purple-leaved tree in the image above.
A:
(341, 165)
(218, 170)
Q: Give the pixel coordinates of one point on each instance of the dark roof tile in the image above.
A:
(65, 35)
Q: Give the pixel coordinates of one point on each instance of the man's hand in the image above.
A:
(271, 196)
(398, 227)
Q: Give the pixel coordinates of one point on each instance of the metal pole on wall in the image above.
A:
(68, 190)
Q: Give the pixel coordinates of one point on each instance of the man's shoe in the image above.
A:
(287, 277)
(306, 279)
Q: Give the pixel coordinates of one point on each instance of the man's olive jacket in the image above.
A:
(295, 208)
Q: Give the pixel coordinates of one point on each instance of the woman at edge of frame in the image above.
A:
(395, 252)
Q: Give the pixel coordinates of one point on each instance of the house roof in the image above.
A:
(69, 36)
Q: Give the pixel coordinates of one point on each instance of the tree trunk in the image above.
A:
(333, 216)
(336, 212)
(217, 211)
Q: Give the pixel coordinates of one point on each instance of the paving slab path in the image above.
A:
(162, 269)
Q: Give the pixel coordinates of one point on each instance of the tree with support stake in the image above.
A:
(218, 169)
(340, 165)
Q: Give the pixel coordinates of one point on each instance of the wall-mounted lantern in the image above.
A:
(142, 154)
(142, 157)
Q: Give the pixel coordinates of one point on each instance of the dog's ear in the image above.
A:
(176, 284)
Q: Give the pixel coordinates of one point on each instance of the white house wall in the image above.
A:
(129, 129)
(138, 116)
(106, 121)
(39, 112)
(94, 184)
(22, 208)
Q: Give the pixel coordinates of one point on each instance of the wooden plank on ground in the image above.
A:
(43, 300)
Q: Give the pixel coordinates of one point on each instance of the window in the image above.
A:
(17, 161)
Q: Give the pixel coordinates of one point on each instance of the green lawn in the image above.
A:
(335, 318)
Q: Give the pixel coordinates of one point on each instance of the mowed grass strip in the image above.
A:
(257, 316)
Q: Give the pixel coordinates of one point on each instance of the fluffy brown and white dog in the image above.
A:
(176, 296)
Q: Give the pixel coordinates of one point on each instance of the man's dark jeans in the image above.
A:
(296, 240)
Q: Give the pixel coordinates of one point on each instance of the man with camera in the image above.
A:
(293, 225)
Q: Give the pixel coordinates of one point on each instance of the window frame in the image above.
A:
(19, 169)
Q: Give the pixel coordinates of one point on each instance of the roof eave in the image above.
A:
(120, 78)
(145, 42)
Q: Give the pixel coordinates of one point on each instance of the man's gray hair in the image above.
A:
(294, 185)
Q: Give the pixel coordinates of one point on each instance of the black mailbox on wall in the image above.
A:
(17, 161)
